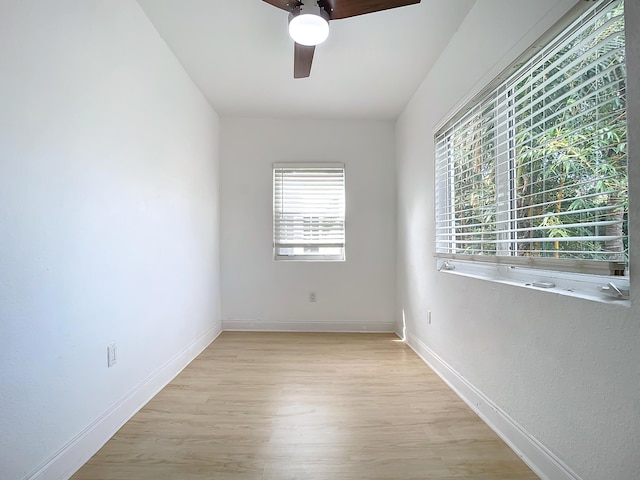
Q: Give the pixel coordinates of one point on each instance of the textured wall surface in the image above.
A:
(360, 290)
(108, 217)
(566, 369)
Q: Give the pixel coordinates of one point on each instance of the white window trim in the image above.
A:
(583, 286)
(307, 257)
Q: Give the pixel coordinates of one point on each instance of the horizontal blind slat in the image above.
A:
(308, 209)
(541, 159)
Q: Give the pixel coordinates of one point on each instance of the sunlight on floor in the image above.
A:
(404, 329)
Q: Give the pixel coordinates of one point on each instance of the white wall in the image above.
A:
(566, 370)
(258, 292)
(108, 223)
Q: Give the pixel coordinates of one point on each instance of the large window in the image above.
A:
(308, 211)
(533, 172)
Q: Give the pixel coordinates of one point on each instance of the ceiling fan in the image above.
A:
(309, 23)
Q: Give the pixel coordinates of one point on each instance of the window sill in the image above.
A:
(586, 287)
(307, 260)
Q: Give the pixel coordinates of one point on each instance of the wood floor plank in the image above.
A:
(294, 406)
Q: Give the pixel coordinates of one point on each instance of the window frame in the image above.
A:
(581, 278)
(277, 243)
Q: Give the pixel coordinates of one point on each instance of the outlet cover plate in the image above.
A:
(112, 358)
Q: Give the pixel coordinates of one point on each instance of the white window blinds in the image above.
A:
(308, 211)
(535, 171)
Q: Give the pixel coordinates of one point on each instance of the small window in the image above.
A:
(308, 211)
(533, 172)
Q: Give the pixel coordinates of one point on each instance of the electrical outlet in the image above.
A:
(312, 296)
(112, 357)
(429, 316)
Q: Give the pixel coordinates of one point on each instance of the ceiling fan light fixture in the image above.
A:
(309, 25)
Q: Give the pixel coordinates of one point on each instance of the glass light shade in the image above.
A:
(309, 27)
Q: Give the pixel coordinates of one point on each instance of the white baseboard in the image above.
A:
(66, 461)
(540, 459)
(80, 449)
(307, 326)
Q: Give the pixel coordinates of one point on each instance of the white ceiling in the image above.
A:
(240, 55)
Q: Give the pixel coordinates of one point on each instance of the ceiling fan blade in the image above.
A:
(302, 58)
(287, 5)
(350, 8)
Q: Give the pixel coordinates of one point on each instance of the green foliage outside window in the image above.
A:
(562, 166)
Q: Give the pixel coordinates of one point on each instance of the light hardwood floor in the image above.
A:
(285, 406)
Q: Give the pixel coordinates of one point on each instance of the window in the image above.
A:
(308, 211)
(532, 173)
